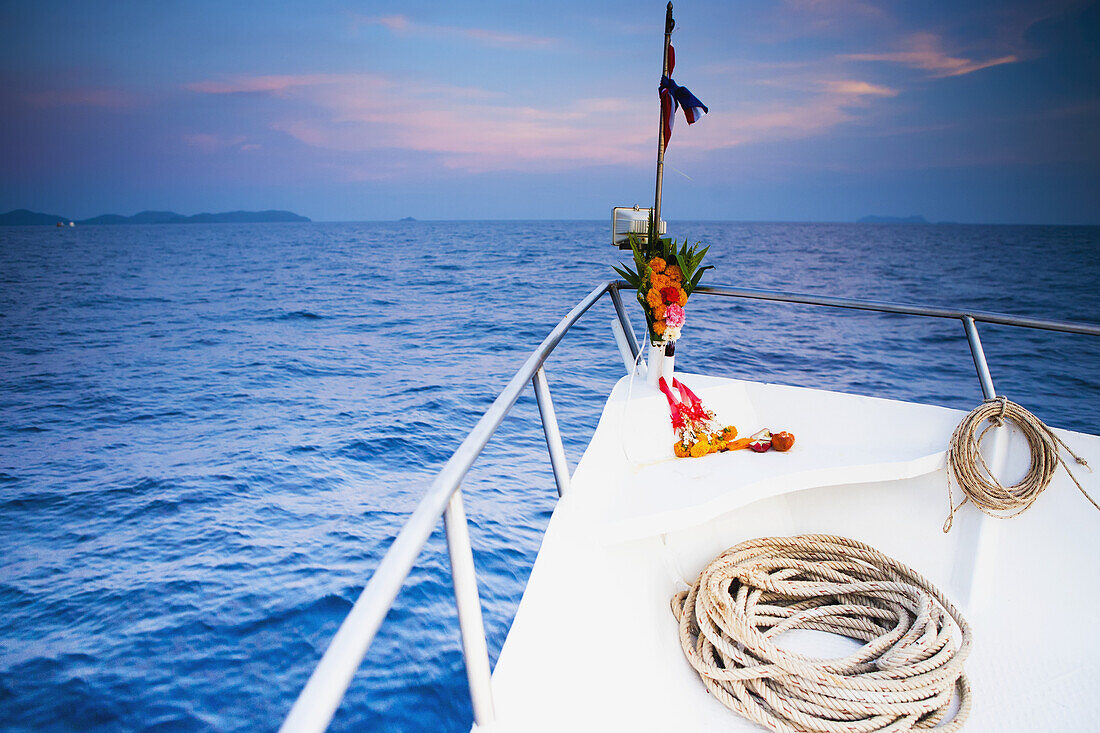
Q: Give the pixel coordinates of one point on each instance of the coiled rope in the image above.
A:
(902, 678)
(978, 484)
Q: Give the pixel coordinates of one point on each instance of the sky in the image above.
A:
(820, 110)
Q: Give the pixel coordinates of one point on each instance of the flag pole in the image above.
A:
(669, 24)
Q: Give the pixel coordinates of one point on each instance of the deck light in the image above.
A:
(627, 220)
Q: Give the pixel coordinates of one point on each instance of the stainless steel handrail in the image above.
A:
(322, 694)
(911, 310)
(319, 699)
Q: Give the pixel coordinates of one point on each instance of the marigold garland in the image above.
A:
(698, 434)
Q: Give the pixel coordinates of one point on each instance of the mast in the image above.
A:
(656, 232)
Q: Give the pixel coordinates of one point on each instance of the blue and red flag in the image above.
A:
(674, 96)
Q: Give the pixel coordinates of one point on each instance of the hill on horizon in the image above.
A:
(25, 217)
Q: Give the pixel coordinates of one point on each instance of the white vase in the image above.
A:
(661, 364)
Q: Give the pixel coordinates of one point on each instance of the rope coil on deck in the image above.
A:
(978, 484)
(904, 677)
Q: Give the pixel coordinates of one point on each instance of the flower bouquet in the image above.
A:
(665, 275)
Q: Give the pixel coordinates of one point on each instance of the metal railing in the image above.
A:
(319, 699)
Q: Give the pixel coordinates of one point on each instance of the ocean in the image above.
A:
(209, 434)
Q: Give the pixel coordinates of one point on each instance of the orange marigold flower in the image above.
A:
(653, 297)
(681, 450)
(683, 297)
(659, 327)
(660, 281)
(674, 273)
(659, 312)
(700, 449)
(657, 264)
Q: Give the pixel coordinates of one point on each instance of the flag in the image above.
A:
(674, 96)
(668, 102)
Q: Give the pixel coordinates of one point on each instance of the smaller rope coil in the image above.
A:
(978, 484)
(903, 677)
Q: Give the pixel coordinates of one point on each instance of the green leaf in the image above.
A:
(702, 253)
(631, 277)
(639, 256)
(697, 277)
(688, 257)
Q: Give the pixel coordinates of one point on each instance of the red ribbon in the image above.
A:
(695, 409)
(674, 408)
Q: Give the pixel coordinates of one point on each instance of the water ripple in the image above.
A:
(209, 435)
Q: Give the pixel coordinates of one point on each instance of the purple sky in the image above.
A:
(820, 109)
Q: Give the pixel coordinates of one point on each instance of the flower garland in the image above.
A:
(697, 431)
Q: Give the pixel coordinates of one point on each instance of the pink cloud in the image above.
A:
(476, 130)
(477, 137)
(211, 143)
(766, 122)
(857, 88)
(846, 7)
(402, 25)
(925, 51)
(255, 84)
(802, 101)
(397, 23)
(463, 128)
(769, 101)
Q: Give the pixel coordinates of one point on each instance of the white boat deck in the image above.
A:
(594, 645)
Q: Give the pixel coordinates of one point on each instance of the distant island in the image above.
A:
(23, 217)
(916, 219)
(407, 218)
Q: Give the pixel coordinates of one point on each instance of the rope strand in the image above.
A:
(976, 481)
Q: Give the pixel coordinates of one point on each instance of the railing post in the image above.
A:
(550, 427)
(464, 577)
(976, 351)
(624, 320)
(977, 534)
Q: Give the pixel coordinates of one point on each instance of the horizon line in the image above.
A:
(927, 222)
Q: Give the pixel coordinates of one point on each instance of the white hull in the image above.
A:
(594, 645)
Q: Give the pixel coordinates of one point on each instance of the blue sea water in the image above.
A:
(210, 434)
